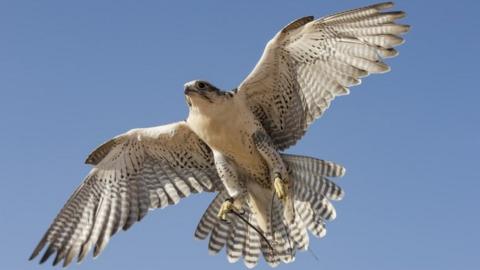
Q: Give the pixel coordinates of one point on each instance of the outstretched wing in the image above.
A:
(310, 62)
(134, 172)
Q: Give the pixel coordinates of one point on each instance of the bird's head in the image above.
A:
(202, 94)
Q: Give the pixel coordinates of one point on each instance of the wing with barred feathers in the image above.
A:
(310, 62)
(134, 172)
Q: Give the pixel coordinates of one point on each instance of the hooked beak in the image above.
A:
(190, 89)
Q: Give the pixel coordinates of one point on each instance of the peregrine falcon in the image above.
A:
(231, 144)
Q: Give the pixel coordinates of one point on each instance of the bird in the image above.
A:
(233, 143)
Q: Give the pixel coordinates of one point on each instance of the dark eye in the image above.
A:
(201, 85)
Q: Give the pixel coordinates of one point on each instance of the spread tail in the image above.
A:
(267, 226)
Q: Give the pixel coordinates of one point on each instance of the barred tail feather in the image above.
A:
(280, 237)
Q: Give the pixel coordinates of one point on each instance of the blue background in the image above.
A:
(75, 73)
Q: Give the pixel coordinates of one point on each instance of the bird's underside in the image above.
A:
(267, 201)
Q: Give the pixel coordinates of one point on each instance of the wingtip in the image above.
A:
(69, 257)
(96, 251)
(382, 68)
(388, 53)
(384, 5)
(50, 250)
(32, 257)
(37, 249)
(83, 253)
(399, 14)
(57, 259)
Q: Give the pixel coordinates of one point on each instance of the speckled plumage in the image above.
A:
(231, 143)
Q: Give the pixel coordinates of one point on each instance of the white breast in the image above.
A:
(227, 128)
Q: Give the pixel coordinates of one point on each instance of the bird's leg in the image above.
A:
(281, 187)
(227, 172)
(275, 163)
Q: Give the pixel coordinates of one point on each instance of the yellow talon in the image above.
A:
(226, 207)
(280, 188)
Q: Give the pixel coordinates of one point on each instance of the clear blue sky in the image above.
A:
(75, 73)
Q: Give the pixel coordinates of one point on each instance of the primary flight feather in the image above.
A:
(230, 144)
